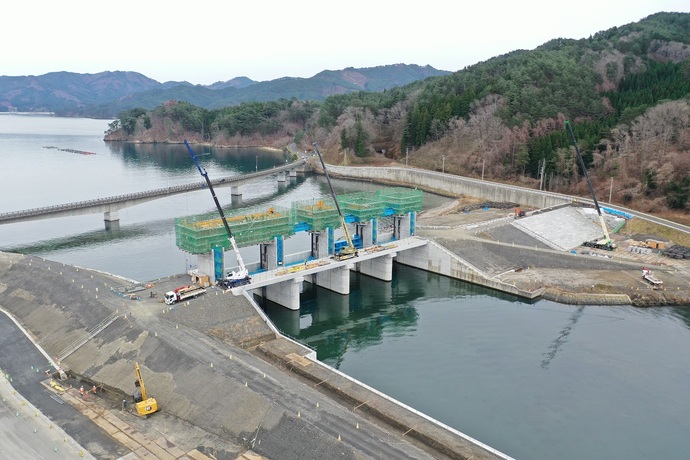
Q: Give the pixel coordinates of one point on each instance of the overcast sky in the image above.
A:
(208, 41)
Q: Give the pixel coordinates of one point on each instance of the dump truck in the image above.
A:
(183, 292)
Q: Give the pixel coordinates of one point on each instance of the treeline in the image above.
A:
(503, 117)
(264, 118)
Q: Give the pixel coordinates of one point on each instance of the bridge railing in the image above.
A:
(146, 194)
(100, 201)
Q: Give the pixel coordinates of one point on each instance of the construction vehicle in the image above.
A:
(651, 279)
(182, 293)
(144, 404)
(241, 276)
(606, 243)
(349, 251)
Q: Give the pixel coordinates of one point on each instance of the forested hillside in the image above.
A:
(625, 90)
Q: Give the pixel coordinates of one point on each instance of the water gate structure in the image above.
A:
(278, 276)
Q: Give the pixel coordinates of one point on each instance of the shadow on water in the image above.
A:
(92, 238)
(562, 338)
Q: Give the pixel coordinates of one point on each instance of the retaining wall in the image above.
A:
(435, 258)
(454, 185)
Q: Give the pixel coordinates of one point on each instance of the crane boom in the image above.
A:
(606, 243)
(350, 251)
(242, 276)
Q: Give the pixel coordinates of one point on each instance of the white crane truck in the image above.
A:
(182, 293)
(241, 276)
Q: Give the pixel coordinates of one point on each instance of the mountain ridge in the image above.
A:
(105, 94)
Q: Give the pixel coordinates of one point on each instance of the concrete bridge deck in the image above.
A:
(110, 205)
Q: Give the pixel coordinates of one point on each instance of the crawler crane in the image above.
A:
(606, 244)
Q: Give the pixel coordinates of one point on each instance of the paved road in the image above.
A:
(26, 434)
(20, 360)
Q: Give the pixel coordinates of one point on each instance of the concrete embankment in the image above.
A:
(216, 369)
(438, 259)
(448, 184)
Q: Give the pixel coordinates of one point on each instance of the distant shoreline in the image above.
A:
(49, 114)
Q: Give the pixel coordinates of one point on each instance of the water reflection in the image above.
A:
(90, 239)
(373, 312)
(175, 157)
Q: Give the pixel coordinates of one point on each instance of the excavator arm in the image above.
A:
(147, 405)
(140, 380)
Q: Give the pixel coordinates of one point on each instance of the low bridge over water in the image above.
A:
(110, 206)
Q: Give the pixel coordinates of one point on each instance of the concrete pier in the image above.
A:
(286, 293)
(380, 268)
(111, 216)
(402, 226)
(272, 254)
(366, 231)
(235, 195)
(336, 280)
(320, 244)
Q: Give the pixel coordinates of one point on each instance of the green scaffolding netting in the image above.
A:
(198, 234)
(362, 205)
(317, 214)
(401, 200)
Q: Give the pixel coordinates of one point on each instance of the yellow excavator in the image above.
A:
(145, 405)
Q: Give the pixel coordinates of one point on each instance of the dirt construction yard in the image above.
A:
(489, 239)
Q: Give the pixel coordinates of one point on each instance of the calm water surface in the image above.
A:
(534, 380)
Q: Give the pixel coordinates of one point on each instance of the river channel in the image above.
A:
(536, 380)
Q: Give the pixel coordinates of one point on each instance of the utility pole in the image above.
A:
(542, 166)
(483, 162)
(611, 190)
(443, 165)
(407, 151)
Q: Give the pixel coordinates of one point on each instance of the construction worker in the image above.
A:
(81, 391)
